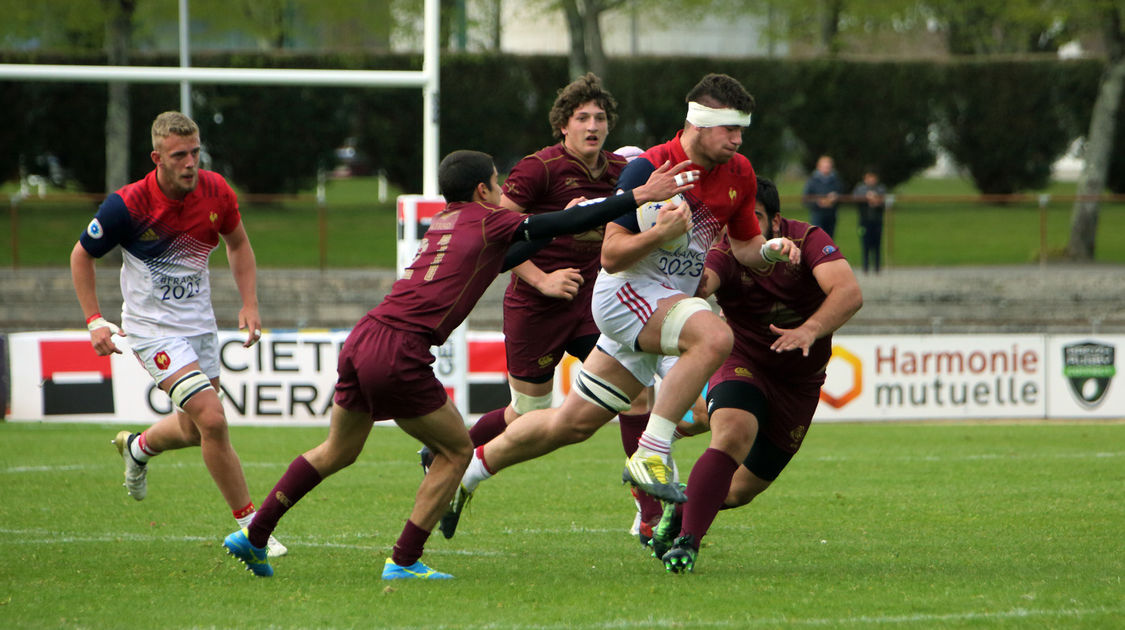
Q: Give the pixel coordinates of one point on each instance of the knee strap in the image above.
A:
(523, 403)
(601, 392)
(674, 321)
(189, 385)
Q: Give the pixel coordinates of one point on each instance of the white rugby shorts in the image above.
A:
(622, 306)
(163, 356)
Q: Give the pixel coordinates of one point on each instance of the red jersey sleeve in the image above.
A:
(743, 224)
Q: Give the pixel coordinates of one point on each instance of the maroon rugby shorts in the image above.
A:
(792, 402)
(387, 373)
(536, 335)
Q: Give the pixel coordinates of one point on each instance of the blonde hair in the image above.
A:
(172, 123)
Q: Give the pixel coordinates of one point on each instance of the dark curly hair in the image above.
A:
(584, 89)
(721, 90)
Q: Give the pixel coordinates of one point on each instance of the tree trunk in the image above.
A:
(497, 24)
(118, 36)
(595, 50)
(1099, 146)
(830, 26)
(576, 28)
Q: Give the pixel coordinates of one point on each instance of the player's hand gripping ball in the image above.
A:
(649, 212)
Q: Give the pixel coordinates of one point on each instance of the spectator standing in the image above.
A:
(822, 195)
(871, 197)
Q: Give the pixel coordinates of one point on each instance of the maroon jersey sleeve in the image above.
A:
(460, 255)
(527, 183)
(816, 246)
(752, 300)
(547, 181)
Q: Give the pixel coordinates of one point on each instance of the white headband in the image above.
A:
(703, 116)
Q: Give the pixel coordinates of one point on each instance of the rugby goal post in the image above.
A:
(427, 79)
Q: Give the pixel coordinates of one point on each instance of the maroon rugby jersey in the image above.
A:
(546, 181)
(782, 294)
(460, 255)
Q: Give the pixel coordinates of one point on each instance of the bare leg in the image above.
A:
(444, 432)
(705, 341)
(206, 412)
(744, 487)
(540, 432)
(202, 423)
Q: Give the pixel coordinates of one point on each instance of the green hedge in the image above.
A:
(1004, 121)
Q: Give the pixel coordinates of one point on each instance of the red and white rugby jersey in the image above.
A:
(722, 197)
(165, 245)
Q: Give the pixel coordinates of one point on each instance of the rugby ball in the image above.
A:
(646, 219)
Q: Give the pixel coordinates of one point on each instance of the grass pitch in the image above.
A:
(951, 525)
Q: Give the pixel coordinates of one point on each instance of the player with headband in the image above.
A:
(643, 302)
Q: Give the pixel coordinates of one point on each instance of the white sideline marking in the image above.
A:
(38, 469)
(778, 622)
(980, 457)
(47, 537)
(191, 463)
(384, 464)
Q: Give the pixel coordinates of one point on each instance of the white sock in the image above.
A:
(476, 472)
(658, 435)
(244, 522)
(139, 454)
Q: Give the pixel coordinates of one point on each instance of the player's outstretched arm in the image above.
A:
(536, 230)
(758, 252)
(843, 300)
(560, 283)
(662, 184)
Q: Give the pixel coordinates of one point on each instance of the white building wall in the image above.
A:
(626, 32)
(529, 30)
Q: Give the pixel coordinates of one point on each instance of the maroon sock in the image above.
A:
(651, 508)
(631, 429)
(294, 484)
(489, 426)
(707, 487)
(408, 547)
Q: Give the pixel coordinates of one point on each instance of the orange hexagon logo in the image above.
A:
(842, 353)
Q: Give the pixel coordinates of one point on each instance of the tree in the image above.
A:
(118, 40)
(989, 28)
(583, 23)
(1099, 139)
